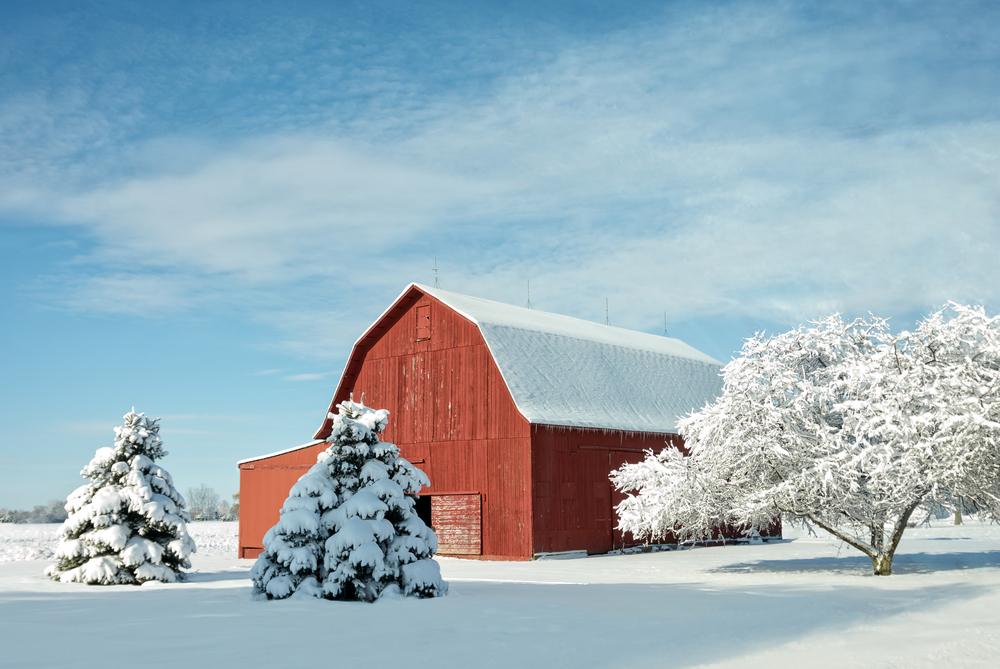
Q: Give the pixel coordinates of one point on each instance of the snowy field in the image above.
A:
(803, 602)
(38, 542)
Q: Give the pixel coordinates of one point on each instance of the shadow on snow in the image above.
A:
(905, 563)
(482, 623)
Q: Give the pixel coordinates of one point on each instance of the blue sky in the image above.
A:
(203, 205)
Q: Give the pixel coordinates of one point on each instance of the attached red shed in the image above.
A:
(517, 416)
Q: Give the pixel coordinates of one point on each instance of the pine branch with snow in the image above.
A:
(348, 529)
(842, 424)
(128, 524)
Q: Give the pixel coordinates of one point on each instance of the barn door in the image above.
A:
(457, 522)
(585, 502)
(616, 459)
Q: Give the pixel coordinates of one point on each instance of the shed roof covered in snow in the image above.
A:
(571, 372)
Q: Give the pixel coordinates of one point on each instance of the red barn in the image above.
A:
(517, 416)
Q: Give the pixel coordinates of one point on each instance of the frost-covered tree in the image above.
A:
(128, 524)
(202, 503)
(842, 424)
(224, 511)
(348, 529)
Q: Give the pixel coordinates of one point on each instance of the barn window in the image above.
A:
(423, 322)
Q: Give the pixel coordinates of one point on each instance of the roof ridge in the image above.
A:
(535, 319)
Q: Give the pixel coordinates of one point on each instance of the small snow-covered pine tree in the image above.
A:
(348, 529)
(128, 525)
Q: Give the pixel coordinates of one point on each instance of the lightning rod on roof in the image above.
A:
(528, 305)
(437, 284)
(607, 312)
(665, 324)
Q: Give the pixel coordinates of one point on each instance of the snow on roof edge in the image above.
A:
(590, 428)
(287, 450)
(586, 333)
(358, 341)
(618, 334)
(430, 291)
(486, 340)
(443, 297)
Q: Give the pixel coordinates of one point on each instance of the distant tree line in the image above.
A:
(53, 513)
(203, 503)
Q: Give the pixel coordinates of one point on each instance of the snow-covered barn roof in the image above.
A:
(571, 372)
(281, 452)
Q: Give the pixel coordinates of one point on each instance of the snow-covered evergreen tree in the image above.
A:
(843, 424)
(128, 525)
(348, 529)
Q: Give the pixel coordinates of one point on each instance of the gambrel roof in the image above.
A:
(571, 372)
(565, 371)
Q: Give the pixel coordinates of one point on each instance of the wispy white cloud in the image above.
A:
(741, 161)
(308, 377)
(141, 292)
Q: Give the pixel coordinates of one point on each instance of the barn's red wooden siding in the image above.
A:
(449, 408)
(573, 498)
(541, 488)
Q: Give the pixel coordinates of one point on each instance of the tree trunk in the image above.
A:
(882, 564)
(880, 554)
(882, 560)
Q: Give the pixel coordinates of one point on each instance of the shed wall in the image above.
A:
(264, 486)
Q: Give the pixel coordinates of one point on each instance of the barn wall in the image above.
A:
(264, 486)
(572, 496)
(452, 415)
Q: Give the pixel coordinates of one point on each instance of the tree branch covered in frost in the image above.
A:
(843, 424)
(203, 503)
(348, 529)
(128, 525)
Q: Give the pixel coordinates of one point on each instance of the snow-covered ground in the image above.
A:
(38, 542)
(803, 602)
